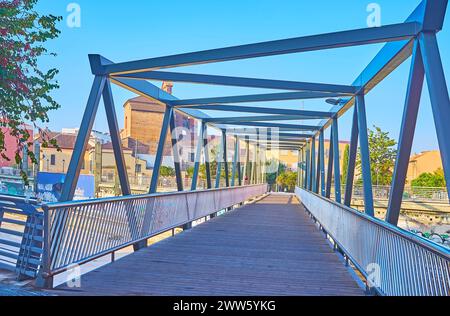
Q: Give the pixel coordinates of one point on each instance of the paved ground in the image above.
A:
(267, 248)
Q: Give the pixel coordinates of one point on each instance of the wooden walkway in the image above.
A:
(267, 248)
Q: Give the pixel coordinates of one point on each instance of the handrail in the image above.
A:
(408, 264)
(56, 205)
(81, 231)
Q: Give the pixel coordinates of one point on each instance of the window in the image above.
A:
(53, 160)
(138, 168)
(192, 157)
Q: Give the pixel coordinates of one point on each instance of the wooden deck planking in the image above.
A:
(267, 248)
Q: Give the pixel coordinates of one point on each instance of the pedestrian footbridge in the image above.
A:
(307, 243)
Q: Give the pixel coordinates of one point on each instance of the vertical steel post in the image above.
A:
(115, 138)
(322, 162)
(337, 168)
(219, 163)
(305, 166)
(298, 167)
(198, 157)
(119, 158)
(225, 158)
(235, 159)
(247, 168)
(330, 166)
(316, 189)
(84, 133)
(176, 154)
(313, 165)
(308, 166)
(365, 155)
(239, 171)
(351, 159)
(160, 151)
(439, 97)
(206, 155)
(413, 95)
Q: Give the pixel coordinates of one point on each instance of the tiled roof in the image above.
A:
(64, 141)
(109, 146)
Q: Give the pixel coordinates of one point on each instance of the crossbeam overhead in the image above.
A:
(267, 97)
(279, 126)
(262, 110)
(225, 120)
(239, 81)
(387, 33)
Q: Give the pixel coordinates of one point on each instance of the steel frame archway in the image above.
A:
(415, 37)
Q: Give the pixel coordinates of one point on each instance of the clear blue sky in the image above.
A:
(127, 30)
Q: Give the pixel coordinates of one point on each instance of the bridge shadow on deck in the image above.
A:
(267, 248)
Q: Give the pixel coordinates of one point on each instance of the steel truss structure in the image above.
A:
(415, 37)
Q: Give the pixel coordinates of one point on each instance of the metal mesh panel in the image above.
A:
(407, 264)
(79, 231)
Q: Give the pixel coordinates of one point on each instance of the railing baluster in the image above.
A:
(410, 265)
(95, 228)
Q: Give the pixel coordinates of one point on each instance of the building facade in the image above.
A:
(427, 161)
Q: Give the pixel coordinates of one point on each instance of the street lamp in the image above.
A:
(334, 101)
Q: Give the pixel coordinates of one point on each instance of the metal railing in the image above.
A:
(21, 230)
(396, 262)
(81, 231)
(419, 194)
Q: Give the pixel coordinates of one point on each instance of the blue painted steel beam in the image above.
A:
(266, 97)
(160, 151)
(238, 81)
(322, 163)
(308, 166)
(225, 158)
(239, 172)
(365, 155)
(229, 120)
(245, 173)
(278, 125)
(252, 132)
(357, 37)
(316, 188)
(411, 110)
(262, 110)
(219, 164)
(313, 164)
(430, 15)
(115, 138)
(235, 161)
(439, 97)
(198, 158)
(337, 169)
(206, 155)
(144, 88)
(351, 159)
(73, 172)
(175, 153)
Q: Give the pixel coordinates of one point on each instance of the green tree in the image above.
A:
(24, 87)
(430, 180)
(201, 171)
(287, 180)
(382, 156)
(271, 178)
(345, 164)
(165, 171)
